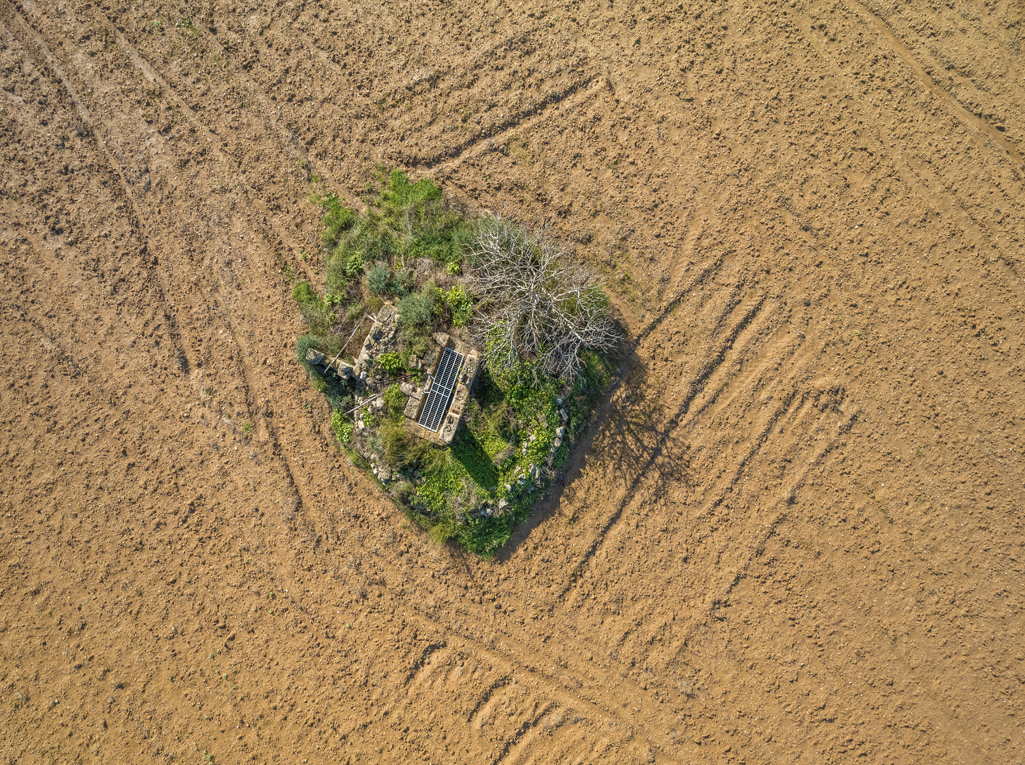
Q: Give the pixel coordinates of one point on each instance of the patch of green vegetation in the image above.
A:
(416, 250)
(460, 304)
(379, 279)
(391, 363)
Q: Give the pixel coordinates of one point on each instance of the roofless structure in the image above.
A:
(433, 408)
(437, 407)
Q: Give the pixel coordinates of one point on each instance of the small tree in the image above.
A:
(535, 303)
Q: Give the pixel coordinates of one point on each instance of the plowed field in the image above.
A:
(796, 534)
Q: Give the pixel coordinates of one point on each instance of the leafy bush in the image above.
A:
(402, 491)
(354, 264)
(303, 344)
(460, 304)
(391, 363)
(416, 341)
(400, 193)
(437, 297)
(343, 428)
(444, 531)
(378, 279)
(334, 271)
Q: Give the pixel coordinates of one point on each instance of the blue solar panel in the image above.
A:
(440, 393)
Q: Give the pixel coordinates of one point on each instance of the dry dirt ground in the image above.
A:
(797, 533)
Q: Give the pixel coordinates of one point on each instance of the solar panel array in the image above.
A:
(440, 393)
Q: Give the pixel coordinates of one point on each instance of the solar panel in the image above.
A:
(440, 393)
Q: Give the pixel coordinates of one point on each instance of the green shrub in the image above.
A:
(390, 363)
(417, 310)
(337, 218)
(304, 294)
(400, 193)
(354, 264)
(303, 344)
(318, 320)
(435, 245)
(416, 341)
(334, 270)
(343, 428)
(443, 531)
(404, 282)
(460, 305)
(378, 279)
(402, 491)
(401, 448)
(437, 297)
(394, 400)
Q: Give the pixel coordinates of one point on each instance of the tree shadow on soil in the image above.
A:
(632, 432)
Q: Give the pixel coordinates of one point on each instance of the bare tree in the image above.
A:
(534, 302)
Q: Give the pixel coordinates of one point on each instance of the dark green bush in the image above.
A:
(417, 310)
(416, 341)
(402, 491)
(378, 279)
(303, 344)
(404, 282)
(334, 271)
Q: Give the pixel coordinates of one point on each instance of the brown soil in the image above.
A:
(797, 535)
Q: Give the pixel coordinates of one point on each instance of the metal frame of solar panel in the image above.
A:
(440, 393)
